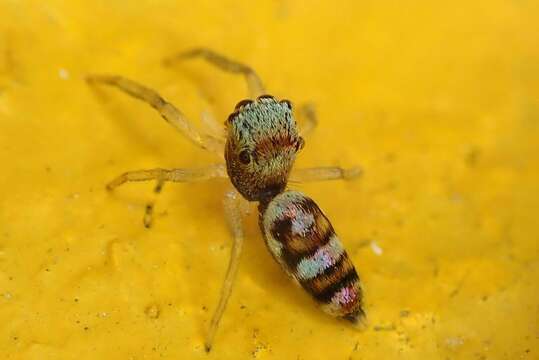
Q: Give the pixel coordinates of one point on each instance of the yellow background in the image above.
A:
(437, 101)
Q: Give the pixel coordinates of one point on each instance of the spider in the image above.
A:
(260, 147)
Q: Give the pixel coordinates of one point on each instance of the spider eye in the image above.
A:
(300, 143)
(245, 157)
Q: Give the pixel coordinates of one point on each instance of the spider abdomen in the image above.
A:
(302, 240)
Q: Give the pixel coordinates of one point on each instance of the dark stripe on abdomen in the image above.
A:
(327, 294)
(293, 255)
(332, 275)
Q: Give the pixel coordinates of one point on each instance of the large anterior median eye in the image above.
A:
(245, 157)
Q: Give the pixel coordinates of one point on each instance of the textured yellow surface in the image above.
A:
(439, 103)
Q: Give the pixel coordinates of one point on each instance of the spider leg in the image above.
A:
(308, 118)
(173, 175)
(148, 212)
(234, 218)
(324, 173)
(254, 83)
(168, 111)
(163, 175)
(212, 126)
(309, 122)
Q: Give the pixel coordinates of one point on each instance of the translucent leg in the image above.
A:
(254, 83)
(324, 173)
(233, 215)
(174, 175)
(163, 175)
(148, 213)
(307, 115)
(308, 120)
(212, 126)
(168, 111)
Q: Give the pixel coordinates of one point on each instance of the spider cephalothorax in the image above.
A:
(261, 146)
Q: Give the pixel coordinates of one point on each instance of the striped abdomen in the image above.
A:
(302, 240)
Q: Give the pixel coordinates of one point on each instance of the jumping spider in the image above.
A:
(260, 148)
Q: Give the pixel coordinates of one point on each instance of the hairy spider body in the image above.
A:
(260, 147)
(302, 240)
(260, 150)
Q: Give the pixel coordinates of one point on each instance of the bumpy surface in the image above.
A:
(437, 101)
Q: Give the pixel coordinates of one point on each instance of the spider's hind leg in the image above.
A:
(254, 83)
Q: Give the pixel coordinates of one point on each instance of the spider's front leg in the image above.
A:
(233, 213)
